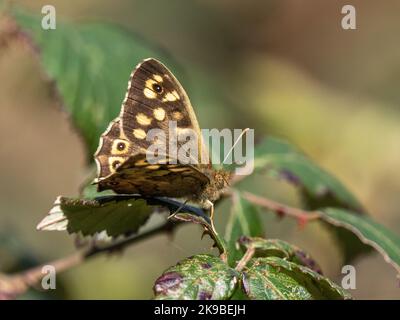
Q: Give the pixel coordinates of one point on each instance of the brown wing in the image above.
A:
(154, 99)
(114, 149)
(137, 176)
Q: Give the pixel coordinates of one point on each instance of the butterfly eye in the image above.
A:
(157, 88)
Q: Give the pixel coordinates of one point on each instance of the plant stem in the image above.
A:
(220, 243)
(245, 259)
(281, 209)
(13, 285)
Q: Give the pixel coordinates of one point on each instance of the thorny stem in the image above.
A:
(245, 259)
(14, 285)
(209, 229)
(220, 243)
(281, 209)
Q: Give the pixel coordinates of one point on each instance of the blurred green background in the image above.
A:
(283, 67)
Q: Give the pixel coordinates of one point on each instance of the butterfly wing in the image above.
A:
(137, 176)
(114, 149)
(154, 98)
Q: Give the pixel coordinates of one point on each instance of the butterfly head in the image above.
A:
(222, 178)
(219, 182)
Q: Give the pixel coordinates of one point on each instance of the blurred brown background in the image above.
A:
(285, 67)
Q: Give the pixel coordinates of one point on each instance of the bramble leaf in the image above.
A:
(282, 160)
(273, 278)
(90, 217)
(90, 64)
(281, 249)
(368, 232)
(317, 187)
(201, 277)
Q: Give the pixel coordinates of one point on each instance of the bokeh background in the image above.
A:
(283, 67)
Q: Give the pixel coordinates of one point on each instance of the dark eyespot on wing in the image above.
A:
(108, 148)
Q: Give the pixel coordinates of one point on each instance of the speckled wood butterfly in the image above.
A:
(155, 98)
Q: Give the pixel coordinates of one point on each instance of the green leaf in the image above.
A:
(318, 188)
(281, 249)
(368, 231)
(89, 191)
(90, 64)
(91, 217)
(243, 221)
(273, 278)
(285, 161)
(201, 277)
(239, 294)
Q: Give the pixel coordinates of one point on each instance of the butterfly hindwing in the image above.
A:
(137, 176)
(114, 149)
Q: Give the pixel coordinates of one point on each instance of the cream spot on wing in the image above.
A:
(149, 83)
(159, 114)
(149, 93)
(153, 167)
(139, 133)
(177, 115)
(178, 169)
(163, 160)
(143, 119)
(176, 95)
(158, 78)
(141, 163)
(171, 96)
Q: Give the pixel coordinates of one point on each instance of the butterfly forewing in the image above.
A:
(154, 99)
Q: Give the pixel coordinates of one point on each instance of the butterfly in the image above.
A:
(154, 99)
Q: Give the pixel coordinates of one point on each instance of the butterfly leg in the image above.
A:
(211, 206)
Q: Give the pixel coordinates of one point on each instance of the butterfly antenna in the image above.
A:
(234, 145)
